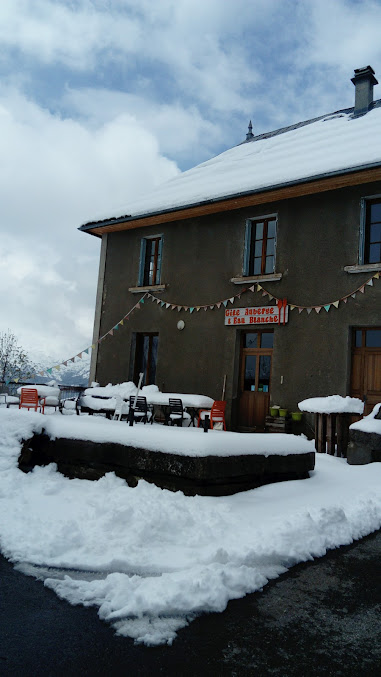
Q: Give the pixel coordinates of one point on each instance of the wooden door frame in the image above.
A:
(244, 352)
(362, 351)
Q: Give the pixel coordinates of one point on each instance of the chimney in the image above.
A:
(363, 81)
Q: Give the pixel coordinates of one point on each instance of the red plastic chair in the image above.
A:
(216, 413)
(29, 400)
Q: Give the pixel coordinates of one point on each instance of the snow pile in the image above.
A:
(158, 558)
(369, 424)
(183, 441)
(123, 389)
(331, 144)
(334, 404)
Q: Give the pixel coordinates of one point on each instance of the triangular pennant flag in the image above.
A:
(327, 307)
(191, 310)
(138, 305)
(7, 381)
(173, 307)
(152, 298)
(157, 300)
(167, 305)
(300, 309)
(309, 310)
(259, 287)
(111, 332)
(264, 293)
(336, 304)
(218, 304)
(225, 303)
(16, 380)
(80, 354)
(205, 307)
(370, 283)
(362, 289)
(232, 299)
(345, 299)
(270, 297)
(50, 369)
(198, 308)
(318, 309)
(64, 363)
(353, 295)
(121, 322)
(238, 296)
(58, 367)
(211, 307)
(186, 308)
(292, 307)
(41, 373)
(162, 303)
(116, 327)
(142, 299)
(376, 276)
(179, 308)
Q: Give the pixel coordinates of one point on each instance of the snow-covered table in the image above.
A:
(332, 420)
(48, 396)
(105, 404)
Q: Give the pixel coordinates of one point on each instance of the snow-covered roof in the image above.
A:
(331, 144)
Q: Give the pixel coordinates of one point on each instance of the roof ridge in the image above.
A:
(303, 123)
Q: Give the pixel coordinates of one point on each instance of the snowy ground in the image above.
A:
(149, 559)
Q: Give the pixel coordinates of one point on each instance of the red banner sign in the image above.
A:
(258, 315)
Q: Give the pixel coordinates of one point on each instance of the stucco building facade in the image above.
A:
(307, 240)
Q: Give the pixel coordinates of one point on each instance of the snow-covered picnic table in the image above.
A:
(103, 399)
(6, 399)
(49, 394)
(43, 390)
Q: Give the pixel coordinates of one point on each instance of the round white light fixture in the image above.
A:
(180, 324)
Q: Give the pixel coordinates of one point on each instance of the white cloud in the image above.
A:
(56, 174)
(182, 131)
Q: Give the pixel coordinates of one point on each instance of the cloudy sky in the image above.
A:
(102, 99)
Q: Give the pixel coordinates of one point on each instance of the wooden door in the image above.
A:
(255, 379)
(366, 366)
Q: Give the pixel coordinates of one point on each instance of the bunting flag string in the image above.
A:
(86, 351)
(167, 305)
(258, 288)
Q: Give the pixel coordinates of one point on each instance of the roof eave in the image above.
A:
(93, 225)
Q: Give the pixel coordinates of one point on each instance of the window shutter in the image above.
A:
(159, 257)
(143, 246)
(362, 232)
(246, 251)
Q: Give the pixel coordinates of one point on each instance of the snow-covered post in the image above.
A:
(132, 409)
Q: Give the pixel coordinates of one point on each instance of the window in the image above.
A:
(257, 351)
(146, 346)
(260, 241)
(150, 261)
(372, 239)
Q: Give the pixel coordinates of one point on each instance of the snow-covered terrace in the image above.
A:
(150, 560)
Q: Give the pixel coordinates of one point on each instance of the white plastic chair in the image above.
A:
(121, 408)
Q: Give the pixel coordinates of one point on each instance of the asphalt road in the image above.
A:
(321, 618)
